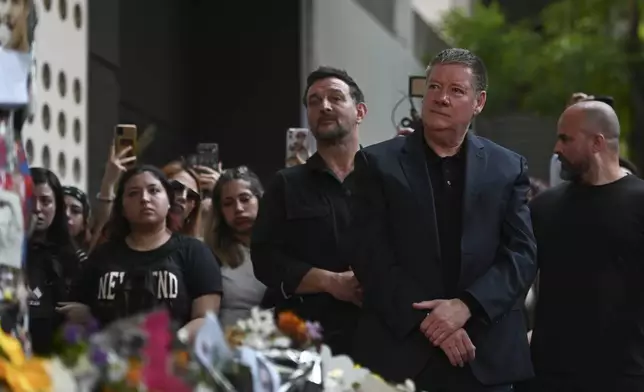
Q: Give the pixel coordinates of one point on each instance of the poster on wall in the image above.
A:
(16, 33)
(17, 24)
(300, 145)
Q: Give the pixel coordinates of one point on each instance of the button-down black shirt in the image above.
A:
(447, 176)
(303, 222)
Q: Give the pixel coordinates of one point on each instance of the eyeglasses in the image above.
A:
(180, 188)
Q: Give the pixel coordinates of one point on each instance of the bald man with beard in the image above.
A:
(589, 329)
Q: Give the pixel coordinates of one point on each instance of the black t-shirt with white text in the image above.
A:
(177, 272)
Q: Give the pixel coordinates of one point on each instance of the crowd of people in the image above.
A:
(177, 236)
(432, 256)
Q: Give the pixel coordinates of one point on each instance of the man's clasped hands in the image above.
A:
(443, 326)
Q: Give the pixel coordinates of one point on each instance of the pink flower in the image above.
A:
(157, 354)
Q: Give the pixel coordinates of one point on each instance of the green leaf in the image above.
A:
(579, 48)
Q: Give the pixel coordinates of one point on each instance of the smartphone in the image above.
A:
(125, 135)
(207, 155)
(300, 145)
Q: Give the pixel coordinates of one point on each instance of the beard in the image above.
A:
(331, 135)
(573, 171)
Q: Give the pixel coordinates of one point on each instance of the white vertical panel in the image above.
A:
(61, 46)
(432, 11)
(346, 36)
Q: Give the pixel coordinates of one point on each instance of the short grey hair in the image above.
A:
(466, 58)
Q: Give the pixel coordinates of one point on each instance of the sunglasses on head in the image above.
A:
(240, 170)
(179, 187)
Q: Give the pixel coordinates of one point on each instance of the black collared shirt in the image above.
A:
(447, 176)
(304, 222)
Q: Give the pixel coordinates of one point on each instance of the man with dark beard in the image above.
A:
(298, 241)
(589, 326)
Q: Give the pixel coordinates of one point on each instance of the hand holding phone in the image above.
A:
(208, 178)
(208, 155)
(125, 135)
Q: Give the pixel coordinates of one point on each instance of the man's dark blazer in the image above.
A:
(398, 258)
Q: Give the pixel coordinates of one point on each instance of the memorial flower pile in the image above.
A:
(260, 354)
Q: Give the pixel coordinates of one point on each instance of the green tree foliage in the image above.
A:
(579, 45)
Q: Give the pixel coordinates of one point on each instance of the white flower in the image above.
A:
(183, 335)
(408, 386)
(62, 378)
(260, 330)
(201, 387)
(255, 341)
(241, 324)
(334, 381)
(282, 342)
(117, 368)
(261, 322)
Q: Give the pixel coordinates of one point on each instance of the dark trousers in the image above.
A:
(443, 377)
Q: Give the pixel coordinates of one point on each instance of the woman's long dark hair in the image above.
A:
(118, 227)
(57, 234)
(83, 239)
(220, 236)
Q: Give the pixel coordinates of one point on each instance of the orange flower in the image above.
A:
(292, 325)
(19, 373)
(182, 359)
(30, 376)
(133, 376)
(234, 336)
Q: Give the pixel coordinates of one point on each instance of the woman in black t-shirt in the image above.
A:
(143, 264)
(52, 260)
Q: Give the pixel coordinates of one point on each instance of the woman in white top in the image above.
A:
(235, 202)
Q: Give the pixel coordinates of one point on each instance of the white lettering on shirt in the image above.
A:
(167, 284)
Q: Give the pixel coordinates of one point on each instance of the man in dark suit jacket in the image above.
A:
(445, 246)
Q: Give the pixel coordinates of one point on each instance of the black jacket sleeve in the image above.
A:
(515, 266)
(272, 265)
(388, 288)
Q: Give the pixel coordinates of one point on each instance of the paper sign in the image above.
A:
(210, 345)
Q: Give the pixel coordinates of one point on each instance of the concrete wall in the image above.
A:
(180, 66)
(345, 35)
(432, 11)
(56, 135)
(533, 137)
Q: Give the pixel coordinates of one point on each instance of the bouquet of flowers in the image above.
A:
(284, 357)
(142, 353)
(293, 347)
(136, 354)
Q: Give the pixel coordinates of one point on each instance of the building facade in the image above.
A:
(55, 135)
(375, 43)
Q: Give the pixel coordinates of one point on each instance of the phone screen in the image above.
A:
(207, 155)
(300, 145)
(125, 136)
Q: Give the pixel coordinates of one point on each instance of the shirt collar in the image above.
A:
(432, 157)
(317, 163)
